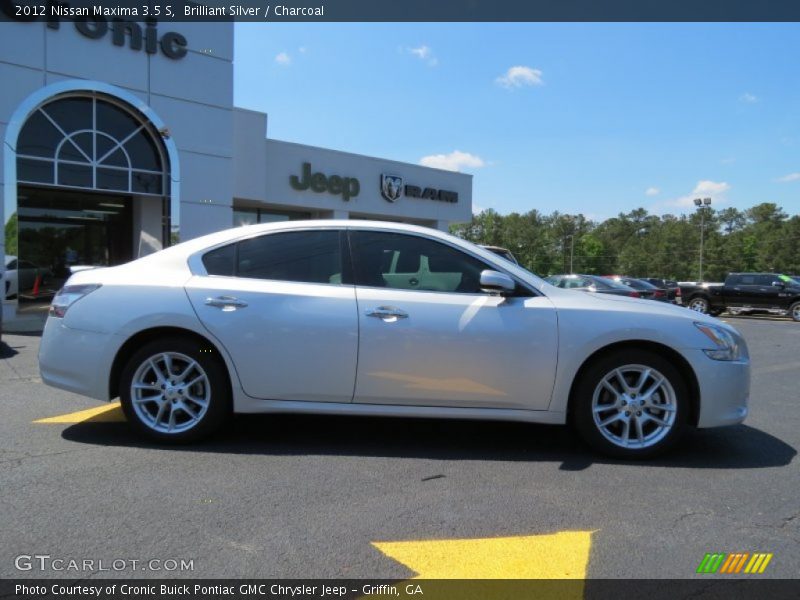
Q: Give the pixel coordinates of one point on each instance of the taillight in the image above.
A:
(677, 291)
(69, 295)
(659, 294)
(634, 294)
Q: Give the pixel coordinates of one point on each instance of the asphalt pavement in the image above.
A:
(290, 496)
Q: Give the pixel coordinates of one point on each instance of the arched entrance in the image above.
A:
(93, 187)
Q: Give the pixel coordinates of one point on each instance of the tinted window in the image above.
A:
(307, 256)
(767, 279)
(409, 262)
(746, 280)
(220, 261)
(576, 282)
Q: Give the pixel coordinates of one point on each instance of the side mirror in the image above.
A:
(778, 284)
(496, 283)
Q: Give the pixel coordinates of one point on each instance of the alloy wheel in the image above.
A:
(634, 406)
(699, 305)
(170, 392)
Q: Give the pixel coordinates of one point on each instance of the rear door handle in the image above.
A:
(387, 313)
(226, 303)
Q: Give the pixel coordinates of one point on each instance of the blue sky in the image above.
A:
(591, 118)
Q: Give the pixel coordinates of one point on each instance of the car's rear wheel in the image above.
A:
(631, 404)
(794, 311)
(171, 391)
(699, 304)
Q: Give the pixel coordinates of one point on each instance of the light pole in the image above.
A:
(571, 237)
(701, 206)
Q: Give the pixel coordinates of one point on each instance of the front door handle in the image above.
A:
(226, 303)
(388, 314)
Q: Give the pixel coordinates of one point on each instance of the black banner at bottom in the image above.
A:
(422, 589)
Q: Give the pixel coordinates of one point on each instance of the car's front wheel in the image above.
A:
(630, 404)
(172, 391)
(699, 304)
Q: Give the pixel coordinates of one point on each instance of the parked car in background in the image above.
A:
(646, 290)
(773, 293)
(20, 276)
(592, 283)
(504, 252)
(672, 289)
(340, 317)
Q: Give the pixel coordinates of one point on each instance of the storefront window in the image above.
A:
(88, 142)
(251, 216)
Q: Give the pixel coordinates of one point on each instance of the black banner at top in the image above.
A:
(406, 10)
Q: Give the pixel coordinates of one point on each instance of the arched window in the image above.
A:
(91, 142)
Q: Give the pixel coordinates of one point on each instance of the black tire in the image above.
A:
(699, 304)
(214, 390)
(794, 311)
(591, 378)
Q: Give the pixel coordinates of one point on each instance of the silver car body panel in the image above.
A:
(457, 355)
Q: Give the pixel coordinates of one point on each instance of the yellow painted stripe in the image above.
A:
(105, 413)
(752, 562)
(765, 563)
(757, 563)
(563, 555)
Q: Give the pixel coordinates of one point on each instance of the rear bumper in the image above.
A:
(75, 360)
(724, 390)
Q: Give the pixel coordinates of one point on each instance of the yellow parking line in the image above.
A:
(106, 414)
(562, 555)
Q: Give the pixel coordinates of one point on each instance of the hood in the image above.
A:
(576, 299)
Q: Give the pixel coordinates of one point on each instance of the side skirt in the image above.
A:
(246, 405)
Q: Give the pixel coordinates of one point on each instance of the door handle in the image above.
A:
(226, 303)
(389, 314)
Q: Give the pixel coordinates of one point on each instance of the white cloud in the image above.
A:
(652, 191)
(424, 53)
(302, 49)
(790, 177)
(454, 161)
(283, 59)
(520, 76)
(705, 188)
(748, 98)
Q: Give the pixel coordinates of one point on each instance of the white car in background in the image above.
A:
(372, 318)
(20, 275)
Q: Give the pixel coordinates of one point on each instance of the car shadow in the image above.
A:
(738, 447)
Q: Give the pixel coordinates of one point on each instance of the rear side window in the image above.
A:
(220, 261)
(301, 256)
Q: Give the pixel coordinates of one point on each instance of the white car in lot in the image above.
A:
(371, 318)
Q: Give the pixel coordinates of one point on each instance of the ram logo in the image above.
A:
(391, 187)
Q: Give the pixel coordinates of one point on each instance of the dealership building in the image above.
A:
(121, 137)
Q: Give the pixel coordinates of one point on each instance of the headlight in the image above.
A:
(69, 295)
(727, 345)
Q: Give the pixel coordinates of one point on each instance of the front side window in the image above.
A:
(301, 256)
(408, 262)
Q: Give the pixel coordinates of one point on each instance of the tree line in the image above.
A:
(640, 244)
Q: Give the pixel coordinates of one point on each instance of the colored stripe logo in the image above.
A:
(734, 563)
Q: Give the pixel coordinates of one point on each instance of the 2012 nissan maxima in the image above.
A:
(371, 318)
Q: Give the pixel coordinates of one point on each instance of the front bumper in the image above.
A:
(724, 389)
(75, 360)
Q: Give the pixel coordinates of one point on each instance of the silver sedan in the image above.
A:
(370, 318)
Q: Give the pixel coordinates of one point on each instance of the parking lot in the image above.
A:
(289, 496)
